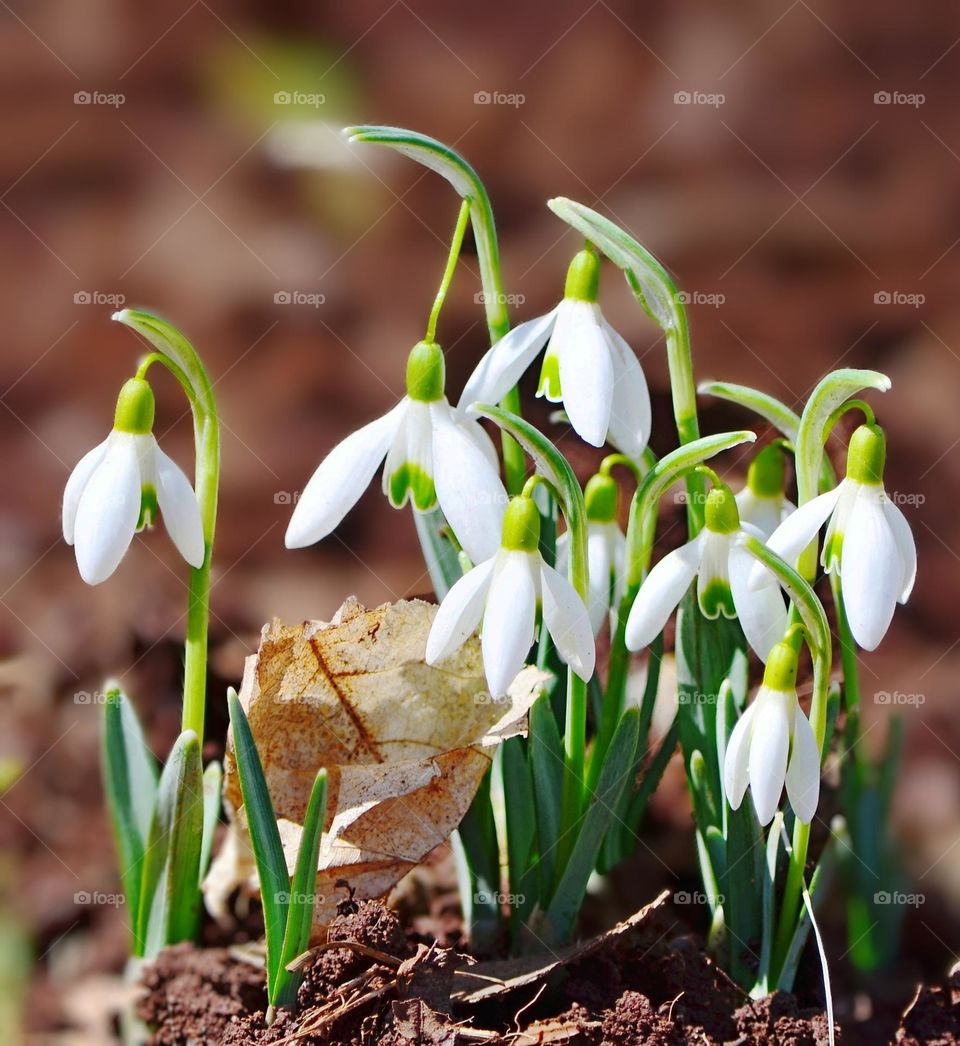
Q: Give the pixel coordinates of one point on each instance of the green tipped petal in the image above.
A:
(411, 481)
(550, 379)
(716, 598)
(148, 507)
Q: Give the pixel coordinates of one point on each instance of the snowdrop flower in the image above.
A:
(606, 550)
(117, 488)
(587, 366)
(868, 542)
(773, 744)
(762, 502)
(433, 454)
(722, 566)
(505, 591)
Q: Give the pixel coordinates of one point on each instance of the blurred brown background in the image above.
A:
(795, 165)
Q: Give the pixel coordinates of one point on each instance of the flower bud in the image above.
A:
(766, 473)
(721, 514)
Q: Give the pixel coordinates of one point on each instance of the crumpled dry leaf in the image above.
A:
(405, 746)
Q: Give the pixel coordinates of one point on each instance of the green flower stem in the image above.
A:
(181, 359)
(455, 244)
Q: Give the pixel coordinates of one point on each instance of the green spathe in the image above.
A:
(867, 455)
(767, 471)
(600, 498)
(135, 408)
(722, 516)
(521, 525)
(583, 276)
(426, 372)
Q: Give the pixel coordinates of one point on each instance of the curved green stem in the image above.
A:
(455, 244)
(181, 359)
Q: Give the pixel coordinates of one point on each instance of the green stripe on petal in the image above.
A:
(410, 481)
(716, 599)
(550, 379)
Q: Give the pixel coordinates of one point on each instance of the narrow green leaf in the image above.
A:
(478, 869)
(212, 783)
(743, 890)
(521, 819)
(565, 904)
(264, 837)
(130, 784)
(302, 895)
(170, 887)
(546, 763)
(439, 554)
(648, 785)
(767, 899)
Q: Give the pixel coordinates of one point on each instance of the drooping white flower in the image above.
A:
(722, 566)
(116, 489)
(434, 454)
(606, 551)
(505, 592)
(773, 745)
(762, 502)
(868, 542)
(587, 366)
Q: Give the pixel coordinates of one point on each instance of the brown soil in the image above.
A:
(383, 987)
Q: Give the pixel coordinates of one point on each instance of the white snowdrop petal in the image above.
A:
(179, 508)
(796, 532)
(586, 372)
(906, 545)
(871, 571)
(508, 619)
(764, 513)
(82, 472)
(631, 416)
(341, 478)
(503, 364)
(601, 566)
(762, 611)
(769, 746)
(660, 592)
(568, 622)
(469, 490)
(736, 761)
(803, 772)
(108, 511)
(459, 614)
